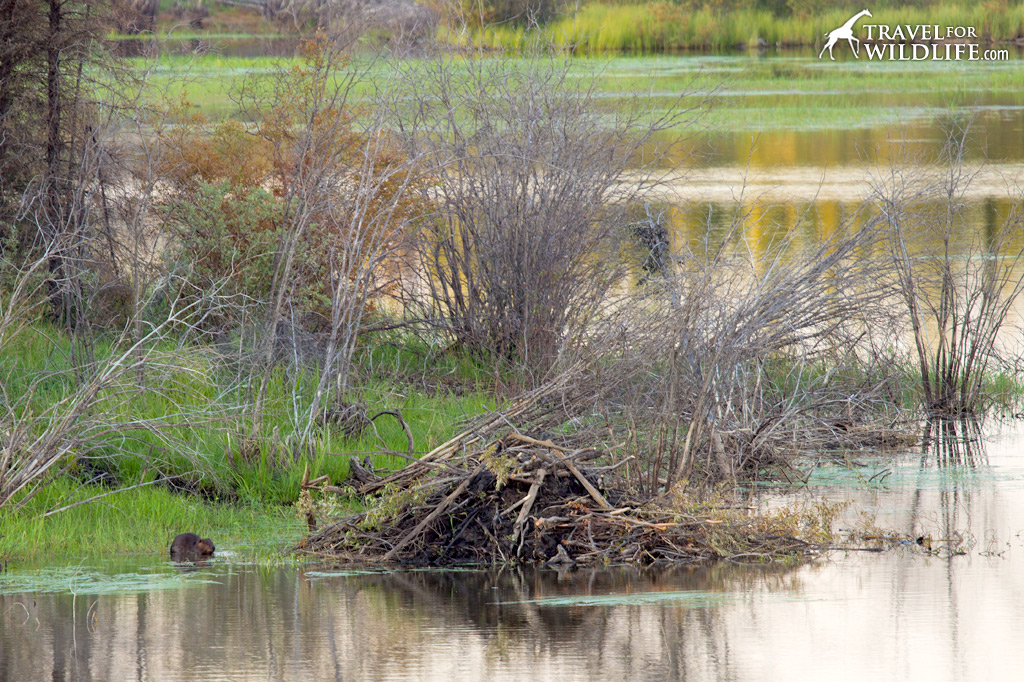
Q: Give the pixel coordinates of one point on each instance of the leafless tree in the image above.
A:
(957, 284)
(378, 212)
(716, 369)
(345, 187)
(535, 183)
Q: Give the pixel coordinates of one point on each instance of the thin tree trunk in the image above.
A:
(53, 213)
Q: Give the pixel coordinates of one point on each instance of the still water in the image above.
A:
(902, 614)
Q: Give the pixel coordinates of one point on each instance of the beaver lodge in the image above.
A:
(493, 495)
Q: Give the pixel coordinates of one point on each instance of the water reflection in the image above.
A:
(765, 223)
(904, 613)
(318, 624)
(953, 442)
(907, 614)
(1000, 139)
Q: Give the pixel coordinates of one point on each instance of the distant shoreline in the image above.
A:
(640, 28)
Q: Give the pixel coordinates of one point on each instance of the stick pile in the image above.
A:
(522, 499)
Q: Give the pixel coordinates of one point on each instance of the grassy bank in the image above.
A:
(244, 497)
(141, 521)
(665, 27)
(645, 28)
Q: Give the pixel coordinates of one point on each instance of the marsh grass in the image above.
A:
(239, 492)
(599, 28)
(140, 521)
(781, 93)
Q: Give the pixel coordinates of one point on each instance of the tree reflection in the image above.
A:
(246, 622)
(953, 442)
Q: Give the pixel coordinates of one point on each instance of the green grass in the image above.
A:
(598, 27)
(196, 381)
(251, 493)
(1004, 390)
(781, 93)
(141, 521)
(664, 27)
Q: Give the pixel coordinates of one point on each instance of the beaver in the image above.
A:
(190, 544)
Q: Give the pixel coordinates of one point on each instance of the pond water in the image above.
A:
(903, 614)
(770, 109)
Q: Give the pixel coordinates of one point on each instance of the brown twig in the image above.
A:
(438, 510)
(528, 501)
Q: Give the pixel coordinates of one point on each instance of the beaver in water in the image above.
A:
(191, 545)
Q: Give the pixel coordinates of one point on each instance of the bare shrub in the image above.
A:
(135, 16)
(495, 12)
(730, 364)
(727, 364)
(534, 183)
(341, 196)
(957, 284)
(130, 233)
(54, 421)
(83, 229)
(21, 293)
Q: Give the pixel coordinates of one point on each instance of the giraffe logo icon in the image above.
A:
(844, 32)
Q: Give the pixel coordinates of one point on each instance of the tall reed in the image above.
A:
(665, 27)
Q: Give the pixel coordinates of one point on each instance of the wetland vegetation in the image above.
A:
(597, 27)
(422, 296)
(588, 28)
(224, 276)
